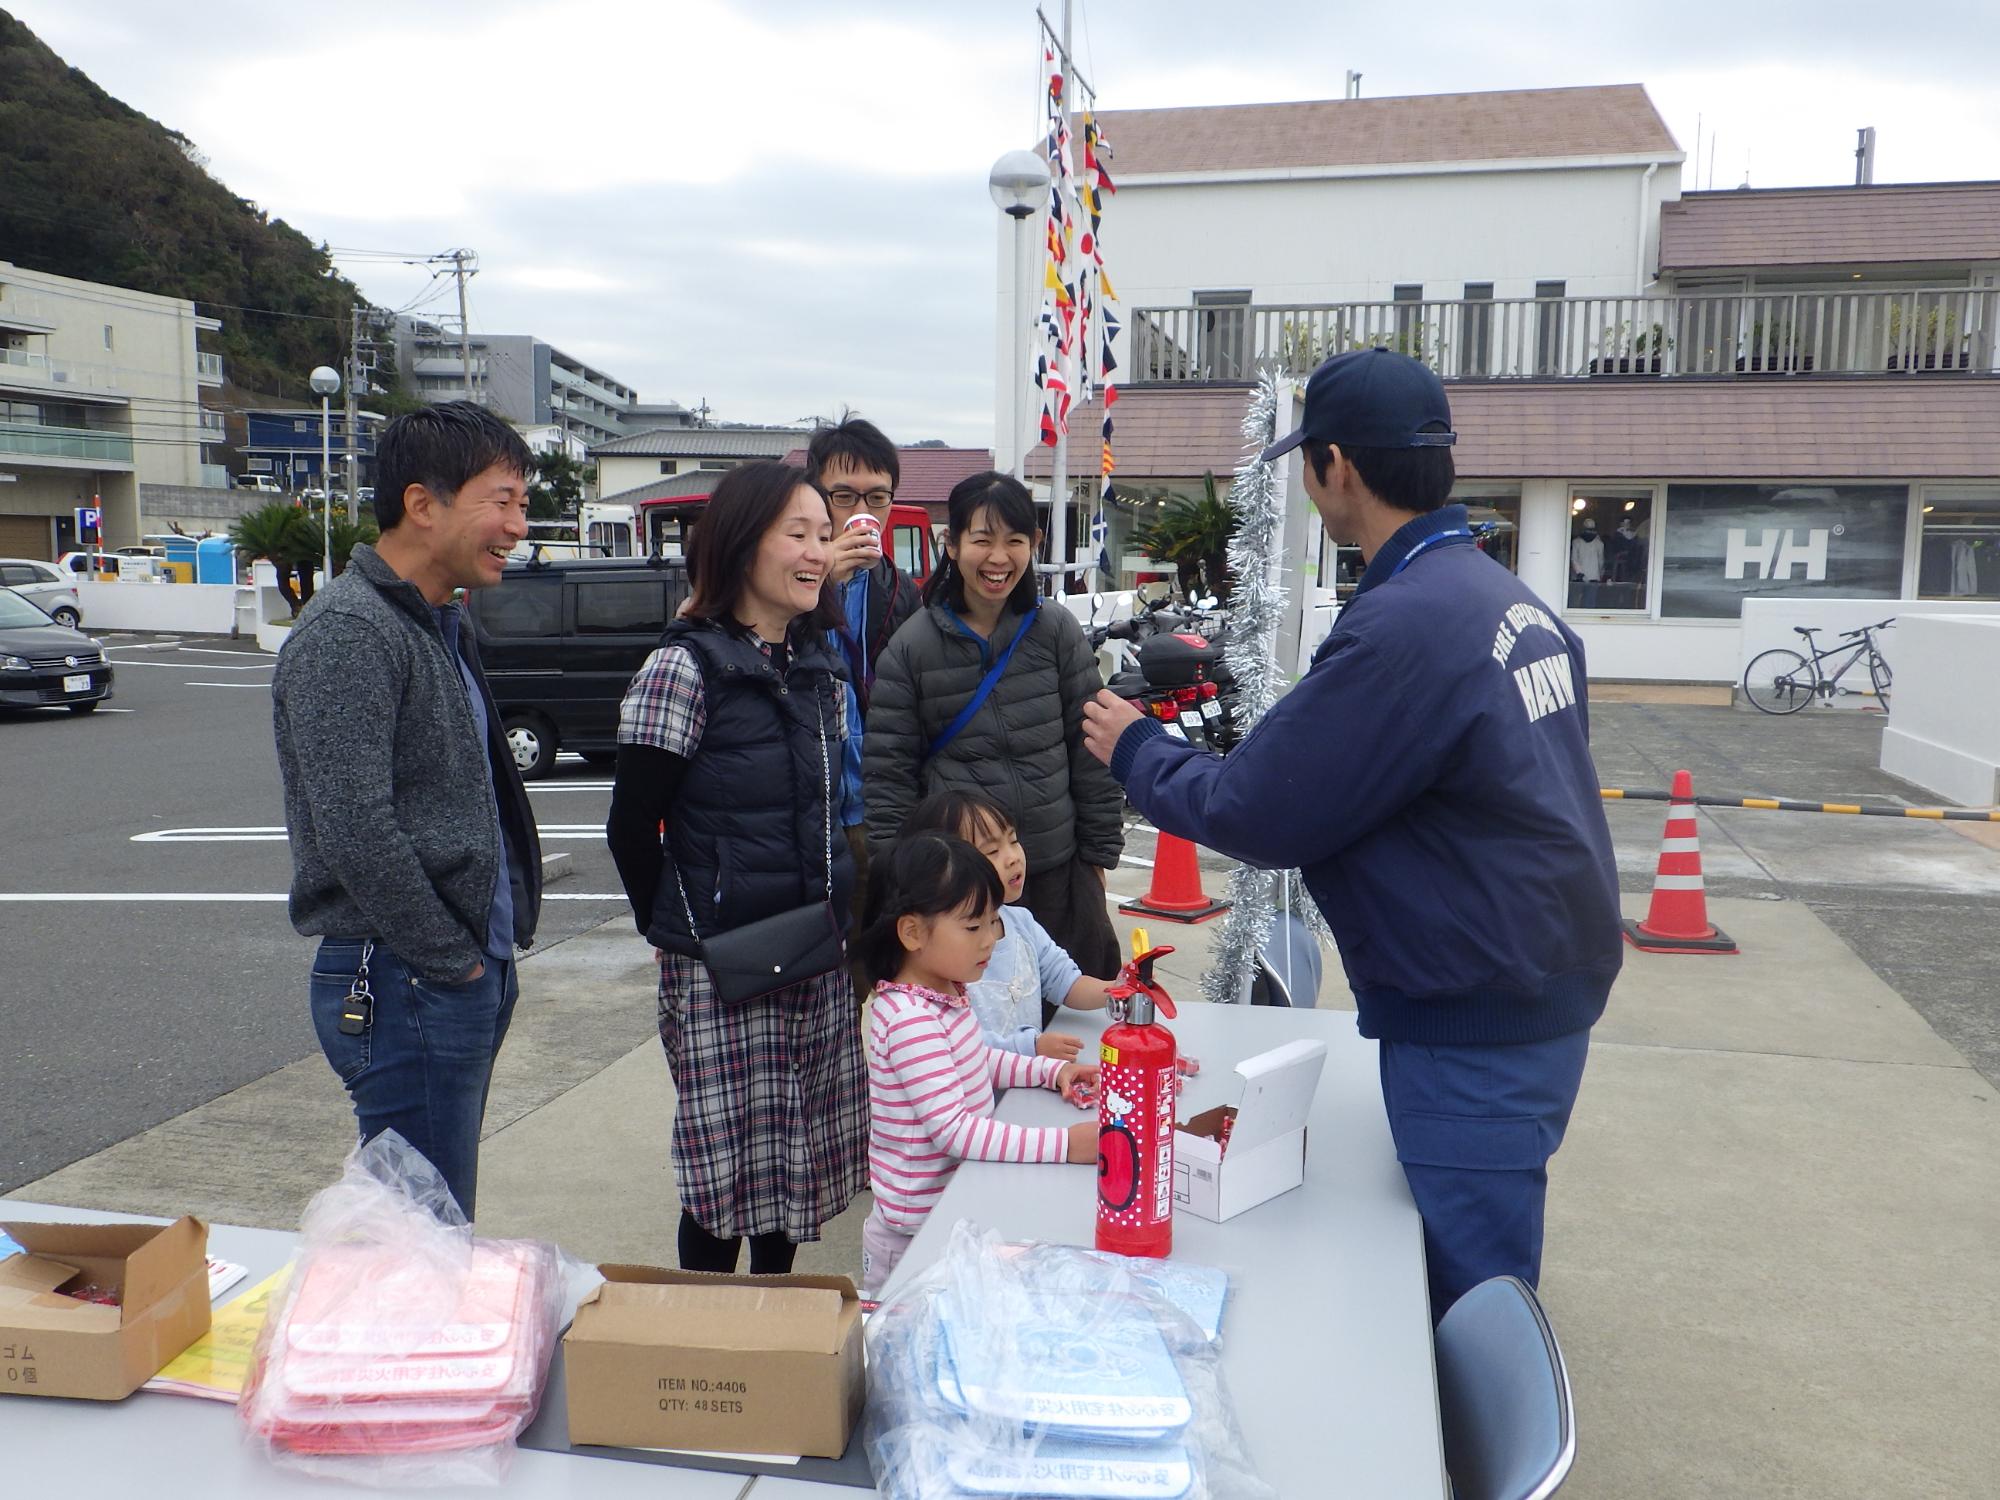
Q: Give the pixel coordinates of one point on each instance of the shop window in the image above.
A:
(1959, 556)
(1610, 547)
(1495, 519)
(1729, 542)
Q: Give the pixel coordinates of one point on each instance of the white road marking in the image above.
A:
(207, 896)
(215, 897)
(148, 646)
(274, 833)
(569, 786)
(196, 666)
(259, 833)
(260, 686)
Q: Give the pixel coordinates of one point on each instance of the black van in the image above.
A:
(560, 640)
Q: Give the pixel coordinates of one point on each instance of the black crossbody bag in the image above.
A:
(758, 959)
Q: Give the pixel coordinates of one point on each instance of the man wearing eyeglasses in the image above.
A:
(856, 468)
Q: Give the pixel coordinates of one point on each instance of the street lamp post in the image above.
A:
(326, 384)
(1018, 182)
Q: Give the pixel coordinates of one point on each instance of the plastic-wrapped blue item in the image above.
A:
(1047, 1372)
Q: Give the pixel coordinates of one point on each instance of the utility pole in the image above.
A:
(355, 373)
(459, 269)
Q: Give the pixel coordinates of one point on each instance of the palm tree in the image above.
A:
(273, 533)
(1193, 535)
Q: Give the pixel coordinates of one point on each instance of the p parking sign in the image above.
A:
(89, 521)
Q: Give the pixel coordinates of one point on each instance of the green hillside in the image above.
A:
(93, 189)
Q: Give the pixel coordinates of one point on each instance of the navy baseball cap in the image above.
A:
(1371, 398)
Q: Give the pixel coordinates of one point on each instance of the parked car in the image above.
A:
(43, 664)
(560, 639)
(46, 585)
(263, 484)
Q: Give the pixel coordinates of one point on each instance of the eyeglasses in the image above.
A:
(842, 498)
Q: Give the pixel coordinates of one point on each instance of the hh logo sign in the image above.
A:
(1776, 554)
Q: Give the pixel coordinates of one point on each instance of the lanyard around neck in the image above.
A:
(1429, 541)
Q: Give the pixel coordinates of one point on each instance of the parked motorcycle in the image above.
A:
(1175, 674)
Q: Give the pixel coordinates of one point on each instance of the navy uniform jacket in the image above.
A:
(1431, 777)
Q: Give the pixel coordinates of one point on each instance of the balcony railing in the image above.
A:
(208, 368)
(1571, 338)
(29, 441)
(210, 423)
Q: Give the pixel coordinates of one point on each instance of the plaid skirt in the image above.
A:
(771, 1118)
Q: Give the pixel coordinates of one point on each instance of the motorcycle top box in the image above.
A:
(1175, 661)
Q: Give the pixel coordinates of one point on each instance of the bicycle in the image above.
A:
(1781, 681)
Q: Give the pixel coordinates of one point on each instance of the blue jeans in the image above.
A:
(424, 1064)
(1475, 1127)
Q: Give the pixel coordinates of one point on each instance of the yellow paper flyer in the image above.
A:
(216, 1366)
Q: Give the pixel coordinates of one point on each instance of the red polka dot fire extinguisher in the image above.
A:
(1135, 1113)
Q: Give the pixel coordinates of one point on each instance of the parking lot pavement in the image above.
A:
(142, 897)
(1918, 901)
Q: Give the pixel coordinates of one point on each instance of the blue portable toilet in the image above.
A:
(181, 549)
(214, 560)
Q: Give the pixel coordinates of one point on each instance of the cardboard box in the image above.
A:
(732, 1364)
(56, 1345)
(1266, 1155)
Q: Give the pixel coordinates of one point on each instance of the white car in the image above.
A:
(46, 586)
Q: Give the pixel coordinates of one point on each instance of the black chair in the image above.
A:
(1503, 1396)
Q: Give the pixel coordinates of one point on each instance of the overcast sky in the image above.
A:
(781, 206)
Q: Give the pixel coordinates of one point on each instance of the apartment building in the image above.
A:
(522, 378)
(101, 391)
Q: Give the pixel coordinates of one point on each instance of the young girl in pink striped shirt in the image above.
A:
(934, 920)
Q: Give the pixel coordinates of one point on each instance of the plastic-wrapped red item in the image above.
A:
(403, 1351)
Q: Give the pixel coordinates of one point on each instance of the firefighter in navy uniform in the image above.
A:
(1431, 776)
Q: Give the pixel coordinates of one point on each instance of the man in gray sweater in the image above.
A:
(414, 855)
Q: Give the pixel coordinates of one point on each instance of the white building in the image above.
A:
(627, 465)
(100, 391)
(1545, 192)
(1667, 405)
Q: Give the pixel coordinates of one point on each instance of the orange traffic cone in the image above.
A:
(1677, 921)
(1176, 894)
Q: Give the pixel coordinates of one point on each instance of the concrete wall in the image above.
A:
(1946, 732)
(191, 608)
(1770, 623)
(197, 508)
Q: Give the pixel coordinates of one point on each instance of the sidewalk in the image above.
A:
(1774, 1232)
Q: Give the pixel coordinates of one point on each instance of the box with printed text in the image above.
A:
(94, 1310)
(734, 1364)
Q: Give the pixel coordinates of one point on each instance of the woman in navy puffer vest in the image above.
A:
(730, 742)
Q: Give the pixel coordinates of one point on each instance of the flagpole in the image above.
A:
(1059, 470)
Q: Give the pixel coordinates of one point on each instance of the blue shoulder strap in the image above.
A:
(983, 691)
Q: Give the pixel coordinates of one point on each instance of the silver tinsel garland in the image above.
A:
(1256, 608)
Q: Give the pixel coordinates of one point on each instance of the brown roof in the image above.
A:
(1919, 427)
(1610, 120)
(1940, 221)
(928, 474)
(1157, 434)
